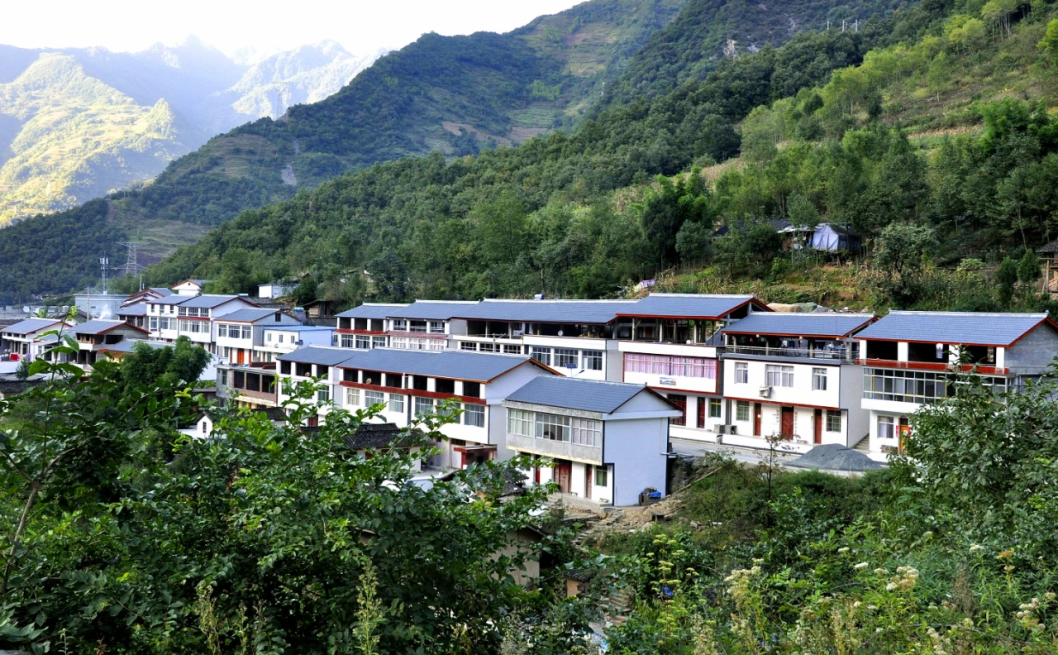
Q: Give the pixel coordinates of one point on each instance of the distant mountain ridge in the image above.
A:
(76, 124)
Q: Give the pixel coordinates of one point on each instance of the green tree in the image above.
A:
(1006, 281)
(1049, 43)
(899, 258)
(179, 364)
(1029, 269)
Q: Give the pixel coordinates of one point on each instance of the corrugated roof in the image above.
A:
(129, 345)
(808, 325)
(210, 301)
(31, 325)
(296, 328)
(100, 326)
(169, 300)
(248, 315)
(575, 393)
(139, 309)
(372, 310)
(437, 310)
(689, 305)
(322, 355)
(453, 364)
(548, 311)
(968, 328)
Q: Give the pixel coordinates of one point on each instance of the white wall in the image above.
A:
(801, 393)
(636, 450)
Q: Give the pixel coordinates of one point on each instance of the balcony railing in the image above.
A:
(813, 353)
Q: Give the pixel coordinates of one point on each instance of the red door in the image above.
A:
(756, 419)
(819, 426)
(564, 471)
(787, 423)
(587, 481)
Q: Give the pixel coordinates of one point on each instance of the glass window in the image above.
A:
(512, 350)
(680, 401)
(519, 422)
(587, 432)
(550, 426)
(378, 342)
(741, 373)
(833, 420)
(348, 341)
(602, 478)
(742, 410)
(542, 355)
(222, 330)
(374, 398)
(565, 358)
(280, 338)
(437, 327)
(819, 379)
(323, 395)
(691, 367)
(474, 415)
(352, 397)
(778, 376)
(268, 337)
(363, 342)
(885, 427)
(396, 403)
(714, 408)
(423, 406)
(223, 375)
(592, 359)
(154, 324)
(247, 332)
(468, 345)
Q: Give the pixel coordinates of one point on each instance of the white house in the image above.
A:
(608, 441)
(191, 316)
(101, 336)
(190, 287)
(795, 377)
(240, 333)
(24, 340)
(288, 338)
(909, 359)
(275, 290)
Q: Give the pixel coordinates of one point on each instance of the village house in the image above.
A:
(288, 338)
(793, 377)
(191, 316)
(604, 442)
(26, 340)
(96, 338)
(240, 333)
(190, 287)
(910, 360)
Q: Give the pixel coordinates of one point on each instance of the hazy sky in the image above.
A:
(361, 26)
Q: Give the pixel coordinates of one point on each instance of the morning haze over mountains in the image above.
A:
(78, 123)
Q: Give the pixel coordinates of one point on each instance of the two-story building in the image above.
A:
(909, 360)
(282, 339)
(99, 337)
(364, 327)
(422, 325)
(191, 316)
(254, 385)
(241, 333)
(605, 442)
(794, 377)
(26, 340)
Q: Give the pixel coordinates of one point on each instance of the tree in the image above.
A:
(307, 290)
(1029, 269)
(667, 209)
(901, 249)
(1049, 43)
(1006, 280)
(694, 243)
(171, 366)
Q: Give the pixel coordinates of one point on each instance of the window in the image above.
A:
(474, 415)
(400, 325)
(565, 358)
(268, 337)
(396, 403)
(348, 341)
(587, 432)
(423, 406)
(714, 408)
(363, 342)
(437, 327)
(778, 376)
(223, 375)
(592, 359)
(742, 410)
(542, 355)
(154, 324)
(280, 339)
(519, 422)
(833, 420)
(222, 330)
(205, 427)
(247, 332)
(378, 342)
(602, 478)
(915, 386)
(819, 379)
(512, 350)
(680, 401)
(487, 347)
(323, 395)
(550, 426)
(690, 367)
(885, 427)
(741, 373)
(352, 397)
(468, 345)
(374, 398)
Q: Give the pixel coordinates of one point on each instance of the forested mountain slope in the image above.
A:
(77, 124)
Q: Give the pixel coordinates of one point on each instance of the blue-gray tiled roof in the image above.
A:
(437, 310)
(248, 315)
(967, 328)
(573, 393)
(211, 301)
(322, 355)
(452, 364)
(548, 311)
(31, 325)
(806, 325)
(372, 310)
(679, 305)
(99, 326)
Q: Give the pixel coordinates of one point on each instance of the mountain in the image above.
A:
(463, 95)
(77, 124)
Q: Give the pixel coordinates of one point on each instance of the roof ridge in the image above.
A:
(984, 314)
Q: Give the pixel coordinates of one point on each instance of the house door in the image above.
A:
(564, 471)
(536, 475)
(787, 423)
(818, 424)
(756, 419)
(588, 470)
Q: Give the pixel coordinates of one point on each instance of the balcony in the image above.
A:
(837, 353)
(555, 449)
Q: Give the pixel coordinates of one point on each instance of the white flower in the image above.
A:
(843, 550)
(860, 566)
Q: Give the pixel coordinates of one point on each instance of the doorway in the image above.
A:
(787, 425)
(564, 471)
(817, 423)
(588, 470)
(756, 419)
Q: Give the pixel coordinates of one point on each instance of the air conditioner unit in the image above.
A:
(765, 392)
(726, 429)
